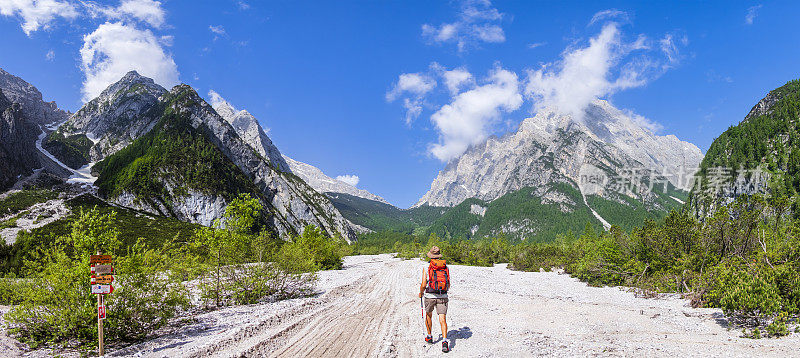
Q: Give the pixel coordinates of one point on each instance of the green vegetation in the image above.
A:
(130, 226)
(743, 259)
(172, 152)
(237, 261)
(23, 199)
(517, 215)
(379, 216)
(72, 151)
(770, 141)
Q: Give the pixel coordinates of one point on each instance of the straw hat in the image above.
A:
(435, 253)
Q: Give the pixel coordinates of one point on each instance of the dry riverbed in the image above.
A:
(371, 309)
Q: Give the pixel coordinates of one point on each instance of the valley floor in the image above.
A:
(371, 309)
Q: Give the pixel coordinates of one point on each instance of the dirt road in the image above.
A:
(371, 309)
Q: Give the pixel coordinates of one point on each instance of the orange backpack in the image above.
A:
(438, 277)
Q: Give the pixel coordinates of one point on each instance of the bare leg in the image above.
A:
(428, 322)
(443, 323)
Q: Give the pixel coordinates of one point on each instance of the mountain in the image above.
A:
(759, 155)
(123, 112)
(602, 164)
(381, 216)
(252, 133)
(18, 154)
(30, 100)
(325, 184)
(170, 153)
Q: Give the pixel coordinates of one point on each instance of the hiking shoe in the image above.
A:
(429, 339)
(445, 347)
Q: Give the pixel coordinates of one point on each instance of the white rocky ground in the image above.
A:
(34, 217)
(371, 309)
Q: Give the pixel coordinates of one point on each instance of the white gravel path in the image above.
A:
(371, 309)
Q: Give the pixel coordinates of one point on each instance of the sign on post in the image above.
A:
(103, 269)
(102, 280)
(100, 259)
(101, 289)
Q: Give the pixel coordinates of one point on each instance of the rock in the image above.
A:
(18, 154)
(30, 99)
(325, 184)
(590, 155)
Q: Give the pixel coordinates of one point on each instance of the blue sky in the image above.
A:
(334, 81)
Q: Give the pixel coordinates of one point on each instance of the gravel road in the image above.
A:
(371, 309)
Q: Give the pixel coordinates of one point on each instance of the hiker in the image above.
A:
(435, 283)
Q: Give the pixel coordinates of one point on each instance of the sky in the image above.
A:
(386, 93)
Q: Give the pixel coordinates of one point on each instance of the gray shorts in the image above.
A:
(439, 303)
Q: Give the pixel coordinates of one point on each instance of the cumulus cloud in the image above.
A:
(50, 55)
(351, 180)
(455, 79)
(752, 12)
(114, 49)
(147, 11)
(477, 22)
(414, 86)
(607, 65)
(37, 14)
(468, 119)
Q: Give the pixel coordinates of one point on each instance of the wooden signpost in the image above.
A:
(101, 278)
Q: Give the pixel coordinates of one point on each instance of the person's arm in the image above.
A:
(424, 282)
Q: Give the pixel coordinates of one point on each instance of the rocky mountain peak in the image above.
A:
(248, 128)
(30, 99)
(132, 84)
(554, 147)
(120, 114)
(325, 184)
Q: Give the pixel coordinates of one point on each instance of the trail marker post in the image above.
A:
(101, 278)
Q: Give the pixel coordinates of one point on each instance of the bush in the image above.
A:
(55, 301)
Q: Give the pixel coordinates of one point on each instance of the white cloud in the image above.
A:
(536, 44)
(416, 85)
(455, 79)
(351, 180)
(243, 5)
(669, 48)
(215, 99)
(50, 56)
(37, 14)
(468, 119)
(605, 66)
(752, 12)
(609, 14)
(114, 49)
(147, 11)
(477, 21)
(643, 122)
(218, 30)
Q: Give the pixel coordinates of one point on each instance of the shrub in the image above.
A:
(55, 301)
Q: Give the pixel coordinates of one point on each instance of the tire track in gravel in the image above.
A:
(355, 324)
(361, 318)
